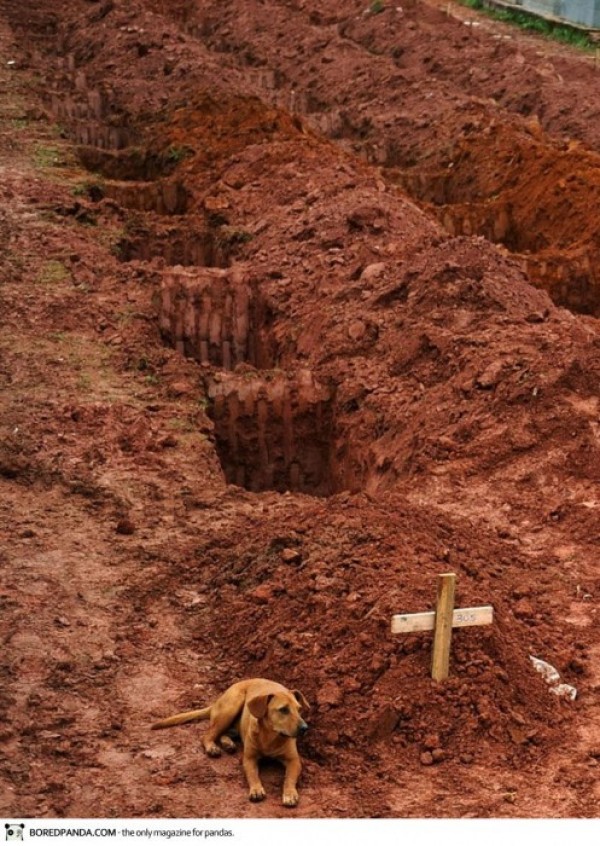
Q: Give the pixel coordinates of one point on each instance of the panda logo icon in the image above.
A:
(14, 831)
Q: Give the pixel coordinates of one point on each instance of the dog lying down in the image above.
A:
(266, 716)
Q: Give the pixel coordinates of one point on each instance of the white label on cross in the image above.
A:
(425, 622)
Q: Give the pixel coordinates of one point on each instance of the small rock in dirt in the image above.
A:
(290, 556)
(262, 594)
(373, 271)
(490, 376)
(332, 737)
(536, 317)
(431, 741)
(181, 388)
(466, 758)
(367, 217)
(216, 203)
(384, 723)
(330, 694)
(426, 758)
(523, 609)
(356, 330)
(63, 622)
(518, 718)
(517, 734)
(438, 755)
(125, 527)
(377, 663)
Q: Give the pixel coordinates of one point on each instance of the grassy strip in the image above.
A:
(531, 22)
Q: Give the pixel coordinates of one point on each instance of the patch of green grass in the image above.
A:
(92, 188)
(52, 272)
(57, 130)
(46, 155)
(84, 382)
(532, 23)
(80, 190)
(176, 154)
(377, 6)
(181, 425)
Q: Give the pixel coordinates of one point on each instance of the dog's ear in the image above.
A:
(258, 706)
(301, 699)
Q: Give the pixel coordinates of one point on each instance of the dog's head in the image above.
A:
(281, 712)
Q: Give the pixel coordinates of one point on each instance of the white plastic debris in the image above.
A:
(549, 673)
(552, 677)
(566, 690)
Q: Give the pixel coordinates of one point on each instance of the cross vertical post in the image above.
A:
(443, 626)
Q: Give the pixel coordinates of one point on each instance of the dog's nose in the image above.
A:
(302, 728)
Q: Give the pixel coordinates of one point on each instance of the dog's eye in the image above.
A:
(284, 710)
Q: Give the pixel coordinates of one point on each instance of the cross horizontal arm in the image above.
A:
(482, 615)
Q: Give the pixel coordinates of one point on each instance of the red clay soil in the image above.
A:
(385, 86)
(254, 399)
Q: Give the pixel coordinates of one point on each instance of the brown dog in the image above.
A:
(267, 718)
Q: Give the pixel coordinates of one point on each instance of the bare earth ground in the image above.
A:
(264, 375)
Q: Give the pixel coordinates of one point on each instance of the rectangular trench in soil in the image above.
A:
(274, 432)
(135, 178)
(217, 317)
(189, 245)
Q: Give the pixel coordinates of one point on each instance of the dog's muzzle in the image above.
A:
(302, 729)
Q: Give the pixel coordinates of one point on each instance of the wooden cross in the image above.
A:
(442, 621)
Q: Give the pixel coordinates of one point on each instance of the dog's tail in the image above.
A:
(185, 717)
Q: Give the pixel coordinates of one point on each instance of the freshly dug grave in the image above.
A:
(435, 113)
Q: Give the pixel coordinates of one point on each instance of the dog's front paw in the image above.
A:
(257, 794)
(290, 798)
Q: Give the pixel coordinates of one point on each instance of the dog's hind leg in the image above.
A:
(216, 732)
(224, 713)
